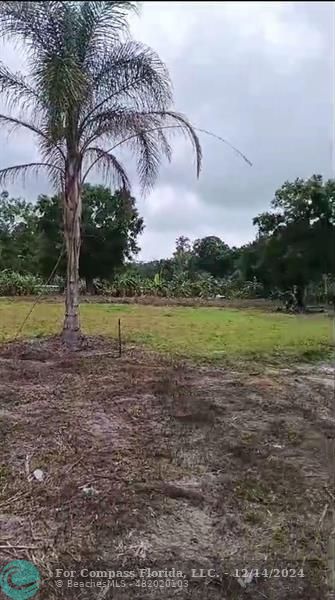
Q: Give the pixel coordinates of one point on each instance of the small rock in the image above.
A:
(39, 474)
(89, 490)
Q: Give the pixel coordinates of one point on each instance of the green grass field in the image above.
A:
(209, 333)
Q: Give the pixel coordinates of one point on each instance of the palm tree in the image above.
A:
(90, 89)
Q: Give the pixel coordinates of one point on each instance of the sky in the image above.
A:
(259, 74)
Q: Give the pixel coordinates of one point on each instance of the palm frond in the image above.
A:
(148, 158)
(61, 81)
(10, 174)
(116, 123)
(132, 75)
(165, 144)
(35, 23)
(145, 134)
(221, 139)
(8, 120)
(124, 124)
(171, 117)
(16, 89)
(100, 25)
(172, 121)
(48, 29)
(109, 165)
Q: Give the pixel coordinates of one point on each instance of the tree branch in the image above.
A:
(7, 119)
(12, 172)
(110, 161)
(133, 136)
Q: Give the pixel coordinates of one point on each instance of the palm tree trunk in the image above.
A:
(72, 219)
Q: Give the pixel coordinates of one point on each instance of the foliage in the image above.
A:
(18, 229)
(31, 238)
(15, 284)
(294, 247)
(182, 255)
(110, 227)
(296, 242)
(179, 285)
(212, 255)
(321, 292)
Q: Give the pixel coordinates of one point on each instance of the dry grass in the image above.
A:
(150, 462)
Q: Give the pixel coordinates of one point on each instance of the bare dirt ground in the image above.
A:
(263, 304)
(152, 464)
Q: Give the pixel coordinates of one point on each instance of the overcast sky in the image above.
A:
(259, 74)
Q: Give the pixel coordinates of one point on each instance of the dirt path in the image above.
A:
(149, 464)
(263, 304)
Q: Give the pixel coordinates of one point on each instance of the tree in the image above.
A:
(297, 241)
(248, 261)
(212, 255)
(111, 225)
(89, 90)
(109, 230)
(18, 235)
(182, 254)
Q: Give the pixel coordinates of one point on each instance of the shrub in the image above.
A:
(15, 284)
(179, 286)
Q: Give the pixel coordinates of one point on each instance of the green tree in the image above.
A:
(182, 254)
(109, 230)
(212, 255)
(18, 235)
(248, 261)
(296, 242)
(163, 267)
(89, 90)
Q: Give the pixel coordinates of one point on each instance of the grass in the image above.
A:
(205, 333)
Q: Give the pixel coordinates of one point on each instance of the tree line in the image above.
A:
(294, 246)
(294, 250)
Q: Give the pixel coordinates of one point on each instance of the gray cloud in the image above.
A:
(260, 75)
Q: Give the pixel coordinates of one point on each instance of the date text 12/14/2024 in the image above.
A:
(246, 573)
